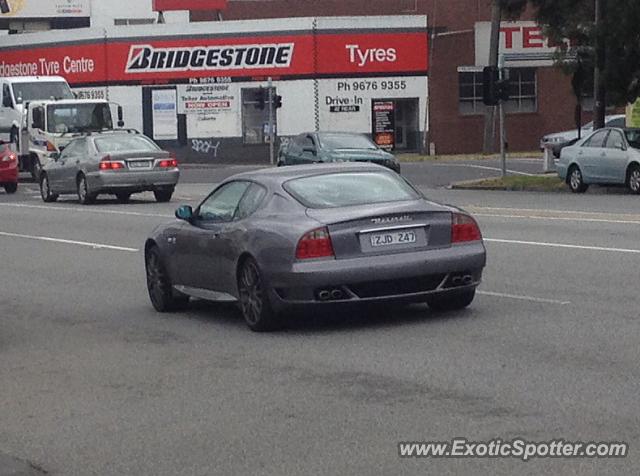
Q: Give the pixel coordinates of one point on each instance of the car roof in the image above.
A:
(279, 175)
(31, 79)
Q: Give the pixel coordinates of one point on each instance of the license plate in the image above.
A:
(393, 238)
(140, 164)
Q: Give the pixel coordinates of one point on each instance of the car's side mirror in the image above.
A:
(55, 156)
(185, 212)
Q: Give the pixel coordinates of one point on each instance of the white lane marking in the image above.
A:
(484, 167)
(562, 245)
(550, 210)
(85, 210)
(542, 217)
(70, 242)
(524, 298)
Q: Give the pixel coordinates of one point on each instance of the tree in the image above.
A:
(573, 20)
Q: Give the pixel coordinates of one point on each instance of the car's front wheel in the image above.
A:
(254, 300)
(11, 188)
(633, 179)
(451, 302)
(161, 293)
(575, 180)
(45, 190)
(85, 196)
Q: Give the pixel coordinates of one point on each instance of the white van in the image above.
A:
(15, 92)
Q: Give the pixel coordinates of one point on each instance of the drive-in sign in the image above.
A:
(182, 59)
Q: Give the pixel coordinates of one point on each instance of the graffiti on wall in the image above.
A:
(206, 146)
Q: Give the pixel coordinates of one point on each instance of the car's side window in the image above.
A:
(617, 122)
(70, 150)
(250, 201)
(6, 96)
(615, 141)
(222, 204)
(597, 139)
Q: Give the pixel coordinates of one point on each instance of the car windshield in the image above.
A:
(348, 189)
(345, 141)
(79, 118)
(633, 137)
(41, 90)
(125, 143)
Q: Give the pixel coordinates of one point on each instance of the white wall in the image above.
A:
(103, 13)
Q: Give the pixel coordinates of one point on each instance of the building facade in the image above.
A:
(410, 76)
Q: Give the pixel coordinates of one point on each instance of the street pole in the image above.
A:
(271, 123)
(599, 87)
(503, 132)
(494, 46)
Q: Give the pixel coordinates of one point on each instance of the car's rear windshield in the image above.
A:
(350, 189)
(633, 137)
(124, 143)
(345, 141)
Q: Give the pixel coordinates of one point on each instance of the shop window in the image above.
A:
(522, 89)
(255, 121)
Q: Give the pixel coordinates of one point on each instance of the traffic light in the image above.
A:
(261, 98)
(277, 101)
(494, 89)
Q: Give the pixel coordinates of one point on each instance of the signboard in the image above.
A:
(384, 127)
(633, 114)
(189, 59)
(165, 118)
(168, 5)
(522, 44)
(212, 109)
(44, 8)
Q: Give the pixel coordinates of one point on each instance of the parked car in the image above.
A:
(119, 163)
(316, 147)
(298, 237)
(559, 140)
(8, 167)
(609, 156)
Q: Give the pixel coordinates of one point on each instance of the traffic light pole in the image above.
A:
(503, 132)
(272, 135)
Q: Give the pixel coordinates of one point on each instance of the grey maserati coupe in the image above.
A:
(323, 235)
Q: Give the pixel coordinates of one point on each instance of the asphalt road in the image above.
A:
(94, 382)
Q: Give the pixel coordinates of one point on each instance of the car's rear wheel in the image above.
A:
(45, 190)
(161, 293)
(254, 300)
(85, 196)
(11, 188)
(451, 302)
(123, 197)
(575, 180)
(633, 179)
(163, 194)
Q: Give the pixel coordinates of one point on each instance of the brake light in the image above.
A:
(51, 147)
(315, 244)
(10, 157)
(107, 164)
(464, 229)
(168, 163)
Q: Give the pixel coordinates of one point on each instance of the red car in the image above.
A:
(8, 168)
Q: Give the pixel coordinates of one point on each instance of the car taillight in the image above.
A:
(51, 147)
(10, 157)
(168, 163)
(464, 229)
(107, 164)
(315, 244)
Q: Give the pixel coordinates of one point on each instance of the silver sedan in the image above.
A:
(118, 163)
(315, 236)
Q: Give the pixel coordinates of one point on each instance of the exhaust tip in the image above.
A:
(337, 294)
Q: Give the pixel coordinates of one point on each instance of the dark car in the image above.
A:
(299, 237)
(119, 163)
(318, 147)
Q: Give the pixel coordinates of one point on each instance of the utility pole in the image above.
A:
(599, 87)
(494, 46)
(271, 125)
(503, 131)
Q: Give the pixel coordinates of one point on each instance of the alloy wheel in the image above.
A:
(251, 293)
(634, 180)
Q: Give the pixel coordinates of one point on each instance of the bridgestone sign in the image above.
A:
(145, 58)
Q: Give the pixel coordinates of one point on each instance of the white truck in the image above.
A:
(51, 125)
(15, 93)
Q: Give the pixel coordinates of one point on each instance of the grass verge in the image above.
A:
(519, 183)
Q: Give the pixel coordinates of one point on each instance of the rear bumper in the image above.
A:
(9, 175)
(139, 181)
(403, 277)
